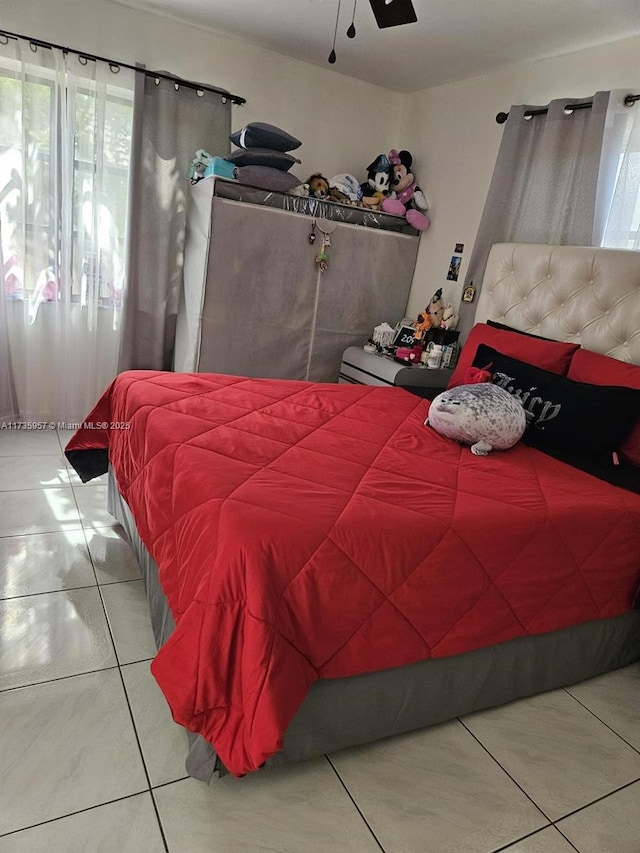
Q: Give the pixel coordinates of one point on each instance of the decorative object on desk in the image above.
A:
(449, 318)
(409, 355)
(454, 268)
(383, 335)
(422, 325)
(435, 309)
(407, 199)
(469, 293)
(477, 415)
(404, 337)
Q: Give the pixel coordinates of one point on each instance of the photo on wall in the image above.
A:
(454, 268)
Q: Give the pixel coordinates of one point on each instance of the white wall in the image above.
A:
(452, 132)
(330, 113)
(451, 129)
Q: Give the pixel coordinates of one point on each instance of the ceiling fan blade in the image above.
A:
(392, 13)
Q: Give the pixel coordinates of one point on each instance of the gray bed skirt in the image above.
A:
(338, 713)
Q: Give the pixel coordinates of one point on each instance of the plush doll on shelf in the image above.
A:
(435, 309)
(449, 318)
(377, 186)
(344, 189)
(318, 186)
(422, 325)
(198, 165)
(407, 199)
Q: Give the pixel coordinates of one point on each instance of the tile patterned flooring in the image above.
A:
(90, 759)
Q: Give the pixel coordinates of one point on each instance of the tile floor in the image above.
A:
(91, 761)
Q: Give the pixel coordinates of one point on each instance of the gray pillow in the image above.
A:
(260, 135)
(267, 178)
(262, 157)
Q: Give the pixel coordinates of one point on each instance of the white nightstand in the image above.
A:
(364, 368)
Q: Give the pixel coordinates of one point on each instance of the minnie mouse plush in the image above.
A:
(407, 197)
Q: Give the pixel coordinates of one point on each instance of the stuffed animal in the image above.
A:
(449, 318)
(318, 186)
(435, 309)
(377, 186)
(484, 416)
(344, 189)
(301, 190)
(198, 165)
(422, 325)
(407, 199)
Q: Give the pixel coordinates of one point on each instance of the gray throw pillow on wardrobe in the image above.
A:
(267, 178)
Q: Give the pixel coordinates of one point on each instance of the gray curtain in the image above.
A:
(544, 184)
(8, 399)
(170, 125)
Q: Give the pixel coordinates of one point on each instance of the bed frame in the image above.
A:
(587, 295)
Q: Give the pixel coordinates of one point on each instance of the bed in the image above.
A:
(324, 570)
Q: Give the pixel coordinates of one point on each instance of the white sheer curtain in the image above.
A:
(618, 202)
(65, 141)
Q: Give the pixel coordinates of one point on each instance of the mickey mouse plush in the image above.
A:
(377, 185)
(407, 197)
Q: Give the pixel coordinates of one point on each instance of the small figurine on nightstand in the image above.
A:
(435, 309)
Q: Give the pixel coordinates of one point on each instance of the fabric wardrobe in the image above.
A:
(254, 302)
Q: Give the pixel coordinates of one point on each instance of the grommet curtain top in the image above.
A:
(84, 57)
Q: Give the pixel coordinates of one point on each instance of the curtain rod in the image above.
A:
(581, 105)
(235, 99)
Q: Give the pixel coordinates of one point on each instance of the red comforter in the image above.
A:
(307, 531)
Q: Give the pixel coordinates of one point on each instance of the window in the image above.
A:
(65, 145)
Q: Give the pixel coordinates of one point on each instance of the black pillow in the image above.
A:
(506, 328)
(261, 135)
(572, 420)
(262, 157)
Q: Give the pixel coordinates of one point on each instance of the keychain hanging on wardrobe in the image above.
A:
(322, 259)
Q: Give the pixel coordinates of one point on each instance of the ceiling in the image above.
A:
(452, 39)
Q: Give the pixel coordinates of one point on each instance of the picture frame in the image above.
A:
(404, 337)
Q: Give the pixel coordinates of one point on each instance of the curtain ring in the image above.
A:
(200, 93)
(568, 110)
(34, 47)
(157, 81)
(114, 68)
(82, 59)
(176, 86)
(223, 99)
(4, 39)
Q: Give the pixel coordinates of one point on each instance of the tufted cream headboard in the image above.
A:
(583, 294)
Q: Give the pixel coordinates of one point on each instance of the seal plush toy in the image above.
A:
(484, 416)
